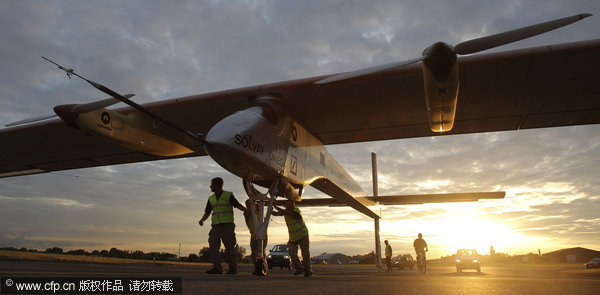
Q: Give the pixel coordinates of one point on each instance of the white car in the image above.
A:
(467, 259)
(279, 256)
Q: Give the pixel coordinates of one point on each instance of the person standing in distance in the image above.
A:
(388, 256)
(221, 204)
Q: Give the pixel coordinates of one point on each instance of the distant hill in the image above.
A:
(571, 255)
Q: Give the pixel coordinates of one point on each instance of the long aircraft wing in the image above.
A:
(546, 86)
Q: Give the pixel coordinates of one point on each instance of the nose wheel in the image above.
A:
(260, 267)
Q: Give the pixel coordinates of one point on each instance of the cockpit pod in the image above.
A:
(253, 143)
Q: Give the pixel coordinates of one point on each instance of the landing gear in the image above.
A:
(260, 267)
(260, 220)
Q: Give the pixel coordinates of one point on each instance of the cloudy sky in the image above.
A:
(164, 49)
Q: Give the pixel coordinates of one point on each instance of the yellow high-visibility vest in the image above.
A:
(388, 250)
(296, 227)
(222, 211)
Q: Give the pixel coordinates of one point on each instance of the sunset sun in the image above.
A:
(475, 233)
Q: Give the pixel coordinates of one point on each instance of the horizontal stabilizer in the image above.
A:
(409, 199)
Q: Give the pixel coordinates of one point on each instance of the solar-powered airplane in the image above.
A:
(274, 135)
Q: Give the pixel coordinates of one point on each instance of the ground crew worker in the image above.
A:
(388, 256)
(221, 205)
(298, 233)
(254, 245)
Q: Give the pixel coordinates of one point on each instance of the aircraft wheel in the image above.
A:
(261, 268)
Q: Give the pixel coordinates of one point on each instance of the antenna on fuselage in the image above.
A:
(69, 72)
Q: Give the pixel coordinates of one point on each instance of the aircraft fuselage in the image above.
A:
(264, 142)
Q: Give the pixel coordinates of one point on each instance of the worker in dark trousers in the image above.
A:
(221, 205)
(388, 256)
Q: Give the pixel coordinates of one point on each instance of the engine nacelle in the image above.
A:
(440, 76)
(134, 131)
(441, 98)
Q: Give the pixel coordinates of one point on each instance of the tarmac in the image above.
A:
(330, 279)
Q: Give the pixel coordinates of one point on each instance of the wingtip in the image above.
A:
(584, 15)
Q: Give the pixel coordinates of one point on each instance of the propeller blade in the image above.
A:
(371, 70)
(469, 47)
(483, 43)
(30, 120)
(88, 107)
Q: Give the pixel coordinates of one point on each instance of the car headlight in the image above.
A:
(475, 260)
(286, 257)
(458, 260)
(269, 257)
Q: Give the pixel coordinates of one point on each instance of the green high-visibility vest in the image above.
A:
(222, 211)
(296, 227)
(388, 250)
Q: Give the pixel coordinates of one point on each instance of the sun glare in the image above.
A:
(460, 226)
(458, 232)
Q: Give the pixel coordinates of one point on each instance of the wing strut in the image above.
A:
(376, 219)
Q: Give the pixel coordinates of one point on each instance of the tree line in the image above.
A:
(113, 252)
(202, 256)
